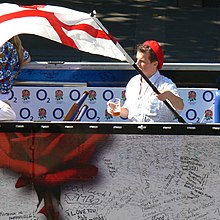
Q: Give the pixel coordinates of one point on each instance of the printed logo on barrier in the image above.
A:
(42, 113)
(192, 97)
(123, 95)
(107, 115)
(208, 115)
(25, 95)
(107, 95)
(59, 96)
(92, 96)
(208, 96)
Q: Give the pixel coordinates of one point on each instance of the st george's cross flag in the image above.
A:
(66, 26)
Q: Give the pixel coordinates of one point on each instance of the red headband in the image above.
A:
(157, 50)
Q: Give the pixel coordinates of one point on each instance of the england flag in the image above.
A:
(66, 26)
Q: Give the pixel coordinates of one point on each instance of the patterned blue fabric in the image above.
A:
(9, 66)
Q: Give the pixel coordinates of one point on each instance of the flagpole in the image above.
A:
(131, 62)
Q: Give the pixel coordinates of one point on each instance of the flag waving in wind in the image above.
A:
(66, 26)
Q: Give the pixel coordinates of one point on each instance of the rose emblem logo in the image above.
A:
(123, 95)
(208, 114)
(25, 95)
(192, 97)
(59, 95)
(92, 95)
(42, 113)
(107, 115)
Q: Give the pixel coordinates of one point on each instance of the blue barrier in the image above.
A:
(96, 78)
(217, 107)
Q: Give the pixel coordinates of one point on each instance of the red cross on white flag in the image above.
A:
(66, 26)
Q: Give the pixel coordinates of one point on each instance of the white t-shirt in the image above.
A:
(142, 103)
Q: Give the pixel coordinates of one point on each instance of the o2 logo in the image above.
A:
(74, 95)
(191, 115)
(25, 114)
(12, 97)
(107, 95)
(58, 113)
(91, 114)
(41, 95)
(208, 96)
